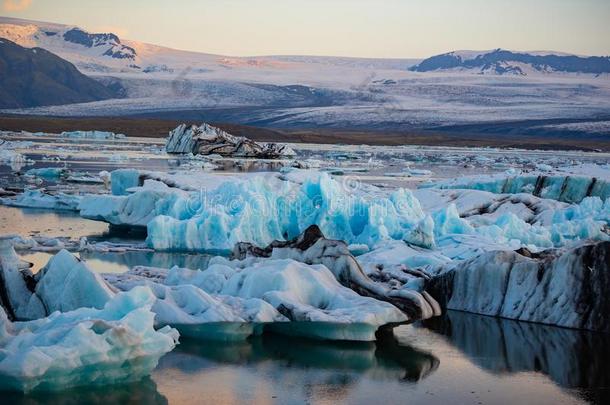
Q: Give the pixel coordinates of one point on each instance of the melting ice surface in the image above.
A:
(461, 358)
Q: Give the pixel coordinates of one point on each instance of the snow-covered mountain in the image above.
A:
(321, 91)
(500, 61)
(96, 53)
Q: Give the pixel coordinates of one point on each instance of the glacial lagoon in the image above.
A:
(457, 358)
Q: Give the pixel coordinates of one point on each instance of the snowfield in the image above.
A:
(310, 91)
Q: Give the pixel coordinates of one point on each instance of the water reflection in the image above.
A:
(123, 261)
(385, 359)
(573, 359)
(142, 392)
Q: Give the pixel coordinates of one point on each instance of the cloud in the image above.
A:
(16, 5)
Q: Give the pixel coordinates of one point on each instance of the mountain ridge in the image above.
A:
(501, 61)
(32, 77)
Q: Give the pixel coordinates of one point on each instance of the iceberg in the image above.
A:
(66, 284)
(308, 295)
(312, 247)
(194, 312)
(84, 347)
(14, 292)
(43, 199)
(186, 212)
(208, 140)
(91, 135)
(567, 287)
(557, 186)
(48, 172)
(264, 209)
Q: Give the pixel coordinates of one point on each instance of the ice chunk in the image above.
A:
(303, 293)
(123, 179)
(261, 210)
(48, 172)
(91, 135)
(195, 312)
(557, 186)
(569, 287)
(14, 292)
(87, 346)
(207, 140)
(42, 199)
(66, 284)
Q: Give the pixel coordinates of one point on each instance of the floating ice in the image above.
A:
(193, 311)
(309, 295)
(264, 209)
(207, 140)
(66, 284)
(92, 135)
(554, 185)
(569, 287)
(48, 172)
(42, 199)
(87, 346)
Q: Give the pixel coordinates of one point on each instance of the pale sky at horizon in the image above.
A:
(362, 28)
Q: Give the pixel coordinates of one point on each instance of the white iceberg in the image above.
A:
(84, 347)
(66, 284)
(193, 311)
(308, 295)
(42, 199)
(100, 135)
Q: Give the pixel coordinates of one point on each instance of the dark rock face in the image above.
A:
(78, 36)
(36, 77)
(312, 247)
(115, 50)
(499, 61)
(569, 288)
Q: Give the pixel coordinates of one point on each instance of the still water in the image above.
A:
(457, 359)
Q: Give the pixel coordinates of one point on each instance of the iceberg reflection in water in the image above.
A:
(573, 359)
(458, 358)
(144, 392)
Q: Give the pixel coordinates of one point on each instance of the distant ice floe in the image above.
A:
(565, 184)
(208, 140)
(10, 157)
(101, 135)
(34, 198)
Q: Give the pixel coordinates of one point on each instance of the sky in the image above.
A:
(361, 28)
